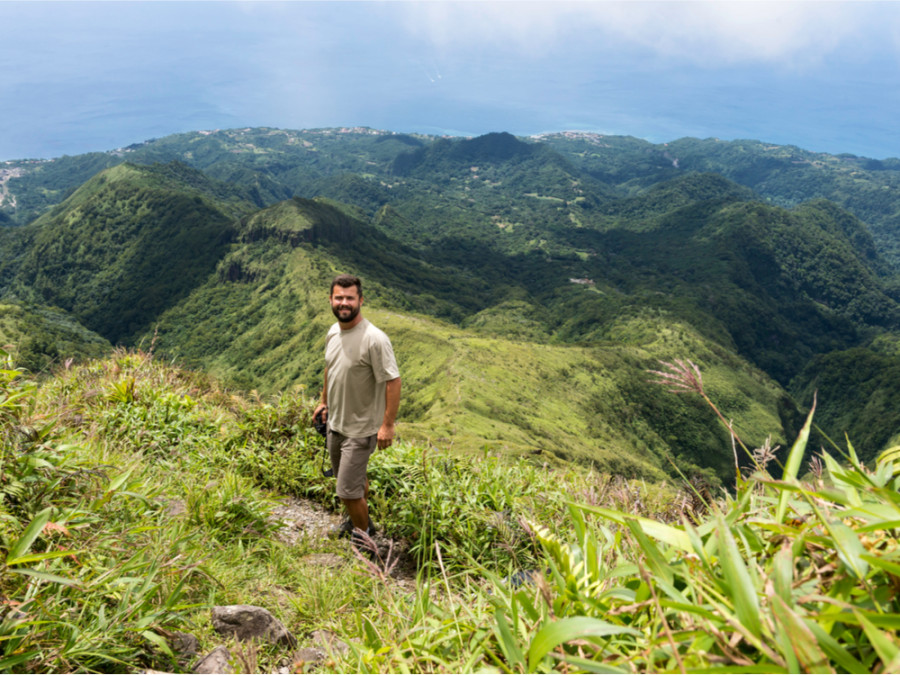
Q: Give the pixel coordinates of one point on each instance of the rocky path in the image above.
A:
(303, 521)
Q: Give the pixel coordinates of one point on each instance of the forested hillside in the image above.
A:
(528, 284)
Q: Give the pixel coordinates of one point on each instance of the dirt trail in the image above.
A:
(305, 519)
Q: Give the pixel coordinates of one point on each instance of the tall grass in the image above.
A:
(98, 566)
(136, 495)
(788, 575)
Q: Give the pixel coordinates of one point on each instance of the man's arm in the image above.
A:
(392, 405)
(323, 402)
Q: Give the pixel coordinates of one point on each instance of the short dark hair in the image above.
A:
(346, 281)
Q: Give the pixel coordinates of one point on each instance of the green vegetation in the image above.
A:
(126, 245)
(531, 281)
(132, 503)
(39, 338)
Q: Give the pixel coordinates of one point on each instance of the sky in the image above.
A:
(93, 76)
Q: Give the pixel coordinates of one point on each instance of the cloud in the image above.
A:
(796, 34)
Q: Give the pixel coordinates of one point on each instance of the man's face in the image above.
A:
(345, 303)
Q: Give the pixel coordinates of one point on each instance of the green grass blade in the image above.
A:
(884, 646)
(801, 641)
(46, 576)
(794, 460)
(589, 666)
(849, 548)
(882, 563)
(32, 532)
(835, 650)
(34, 557)
(572, 628)
(763, 668)
(6, 665)
(507, 642)
(743, 590)
(159, 642)
(667, 534)
(654, 558)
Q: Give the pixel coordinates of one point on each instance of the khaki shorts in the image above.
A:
(349, 459)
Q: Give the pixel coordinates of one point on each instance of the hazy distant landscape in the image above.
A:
(529, 283)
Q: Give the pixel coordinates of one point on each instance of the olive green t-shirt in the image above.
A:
(359, 360)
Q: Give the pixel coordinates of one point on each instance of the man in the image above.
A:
(360, 398)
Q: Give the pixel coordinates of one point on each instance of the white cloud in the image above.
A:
(728, 33)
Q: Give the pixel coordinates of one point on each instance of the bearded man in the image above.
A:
(360, 399)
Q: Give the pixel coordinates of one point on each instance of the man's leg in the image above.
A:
(359, 512)
(352, 483)
(358, 509)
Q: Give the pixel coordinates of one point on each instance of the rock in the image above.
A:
(246, 622)
(307, 655)
(184, 645)
(215, 662)
(329, 641)
(175, 507)
(302, 518)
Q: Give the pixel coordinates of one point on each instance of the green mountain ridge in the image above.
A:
(462, 389)
(528, 288)
(127, 243)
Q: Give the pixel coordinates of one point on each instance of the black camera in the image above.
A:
(322, 429)
(319, 423)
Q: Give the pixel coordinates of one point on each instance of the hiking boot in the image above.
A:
(342, 530)
(346, 527)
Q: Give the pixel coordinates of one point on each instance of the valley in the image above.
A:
(529, 284)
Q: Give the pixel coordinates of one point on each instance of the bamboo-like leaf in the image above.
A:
(34, 557)
(46, 576)
(849, 548)
(884, 646)
(32, 532)
(889, 621)
(800, 639)
(835, 650)
(6, 665)
(655, 560)
(851, 451)
(589, 666)
(565, 630)
(783, 572)
(159, 641)
(792, 465)
(507, 641)
(892, 454)
(743, 590)
(667, 534)
(882, 563)
(743, 670)
(118, 481)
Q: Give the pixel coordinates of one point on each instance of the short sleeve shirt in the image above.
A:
(359, 360)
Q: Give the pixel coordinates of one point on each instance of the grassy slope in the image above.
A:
(132, 505)
(39, 338)
(260, 322)
(782, 174)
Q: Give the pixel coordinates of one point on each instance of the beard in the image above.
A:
(345, 314)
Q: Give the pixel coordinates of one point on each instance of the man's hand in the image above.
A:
(324, 409)
(385, 436)
(392, 402)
